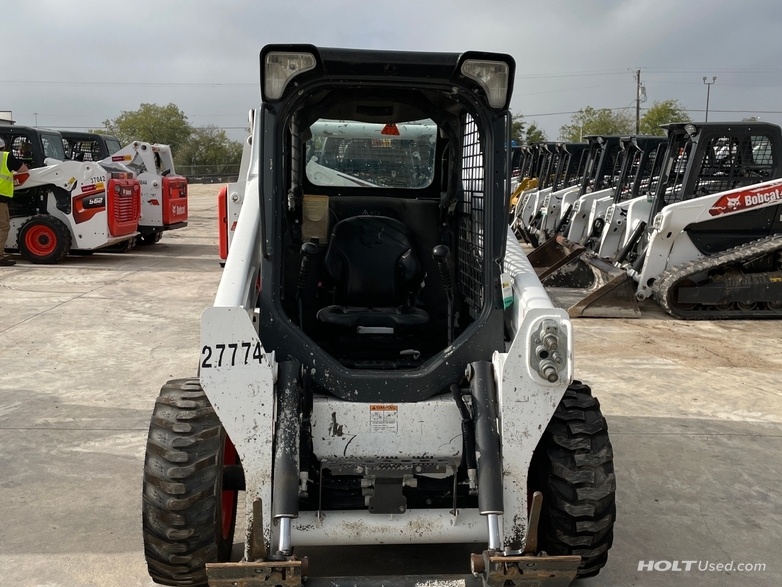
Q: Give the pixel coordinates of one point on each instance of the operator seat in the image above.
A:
(376, 272)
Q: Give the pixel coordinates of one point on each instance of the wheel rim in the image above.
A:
(229, 497)
(40, 240)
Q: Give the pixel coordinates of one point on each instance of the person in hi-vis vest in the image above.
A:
(8, 165)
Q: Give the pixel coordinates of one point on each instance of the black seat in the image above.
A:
(376, 271)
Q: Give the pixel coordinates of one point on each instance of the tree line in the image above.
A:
(200, 147)
(604, 121)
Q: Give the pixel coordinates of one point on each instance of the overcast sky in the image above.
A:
(76, 63)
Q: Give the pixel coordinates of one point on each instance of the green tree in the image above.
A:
(209, 146)
(662, 113)
(517, 128)
(535, 134)
(153, 124)
(593, 121)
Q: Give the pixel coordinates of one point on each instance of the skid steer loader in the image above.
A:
(709, 246)
(381, 367)
(88, 146)
(638, 163)
(598, 172)
(163, 192)
(61, 206)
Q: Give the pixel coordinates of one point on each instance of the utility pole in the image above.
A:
(708, 91)
(640, 96)
(637, 101)
(36, 118)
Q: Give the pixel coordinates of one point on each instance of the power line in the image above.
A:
(156, 84)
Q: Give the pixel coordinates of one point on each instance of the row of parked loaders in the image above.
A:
(692, 221)
(83, 193)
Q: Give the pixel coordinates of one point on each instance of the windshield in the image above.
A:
(52, 146)
(346, 153)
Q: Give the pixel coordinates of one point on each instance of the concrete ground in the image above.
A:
(694, 411)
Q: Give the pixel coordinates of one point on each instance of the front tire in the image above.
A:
(188, 518)
(44, 239)
(573, 467)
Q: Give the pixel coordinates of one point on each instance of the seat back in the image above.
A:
(372, 262)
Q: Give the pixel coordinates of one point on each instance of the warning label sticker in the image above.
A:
(383, 418)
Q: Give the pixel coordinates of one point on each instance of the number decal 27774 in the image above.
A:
(231, 354)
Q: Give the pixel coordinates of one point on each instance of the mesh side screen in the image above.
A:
(625, 190)
(471, 219)
(675, 186)
(613, 166)
(734, 161)
(575, 173)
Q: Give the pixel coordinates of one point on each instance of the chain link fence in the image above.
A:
(209, 173)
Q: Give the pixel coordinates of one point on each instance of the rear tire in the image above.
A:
(150, 238)
(44, 239)
(574, 469)
(188, 519)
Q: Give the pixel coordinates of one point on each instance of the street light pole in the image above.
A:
(708, 92)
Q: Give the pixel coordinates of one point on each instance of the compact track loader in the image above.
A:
(597, 168)
(639, 159)
(709, 244)
(61, 206)
(381, 368)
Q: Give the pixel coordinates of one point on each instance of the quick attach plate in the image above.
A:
(287, 573)
(527, 571)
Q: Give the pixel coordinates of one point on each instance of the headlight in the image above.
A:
(281, 68)
(492, 76)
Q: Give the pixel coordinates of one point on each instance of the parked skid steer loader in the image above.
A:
(638, 162)
(62, 206)
(163, 192)
(381, 365)
(711, 243)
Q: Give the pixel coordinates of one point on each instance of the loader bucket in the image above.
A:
(552, 254)
(591, 287)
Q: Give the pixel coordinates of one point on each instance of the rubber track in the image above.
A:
(181, 505)
(665, 286)
(579, 492)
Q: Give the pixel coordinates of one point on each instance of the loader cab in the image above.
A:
(603, 163)
(642, 157)
(707, 158)
(87, 146)
(384, 219)
(33, 145)
(710, 158)
(573, 160)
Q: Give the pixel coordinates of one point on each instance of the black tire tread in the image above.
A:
(182, 484)
(573, 467)
(63, 238)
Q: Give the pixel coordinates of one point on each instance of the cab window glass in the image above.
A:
(357, 154)
(52, 146)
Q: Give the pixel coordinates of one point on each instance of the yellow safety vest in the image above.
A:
(6, 178)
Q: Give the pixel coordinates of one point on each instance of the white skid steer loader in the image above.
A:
(388, 372)
(62, 206)
(163, 192)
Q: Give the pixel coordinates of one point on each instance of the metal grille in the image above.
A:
(624, 189)
(674, 182)
(576, 172)
(471, 219)
(734, 161)
(613, 166)
(126, 206)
